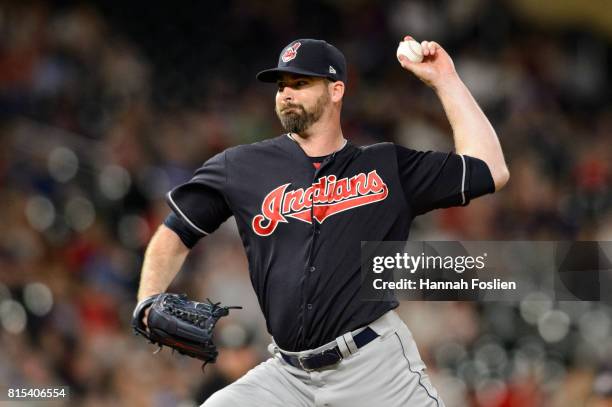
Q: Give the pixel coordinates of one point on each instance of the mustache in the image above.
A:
(291, 106)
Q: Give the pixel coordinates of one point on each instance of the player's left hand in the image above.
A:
(436, 67)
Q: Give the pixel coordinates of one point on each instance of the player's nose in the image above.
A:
(287, 98)
(286, 92)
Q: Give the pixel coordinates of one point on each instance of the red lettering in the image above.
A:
(359, 182)
(270, 209)
(375, 183)
(292, 201)
(328, 195)
(342, 190)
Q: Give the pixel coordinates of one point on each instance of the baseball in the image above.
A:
(411, 50)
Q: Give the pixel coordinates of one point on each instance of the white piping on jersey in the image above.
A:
(343, 145)
(463, 181)
(185, 218)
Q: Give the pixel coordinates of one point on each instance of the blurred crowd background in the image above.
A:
(104, 107)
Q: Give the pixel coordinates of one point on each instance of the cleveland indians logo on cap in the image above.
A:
(330, 196)
(291, 52)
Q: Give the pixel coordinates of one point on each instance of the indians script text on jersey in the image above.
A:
(329, 195)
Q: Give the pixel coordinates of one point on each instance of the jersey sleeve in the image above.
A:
(434, 180)
(200, 203)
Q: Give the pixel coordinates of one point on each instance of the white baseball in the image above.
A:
(411, 50)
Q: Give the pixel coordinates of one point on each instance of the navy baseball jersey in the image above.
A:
(301, 224)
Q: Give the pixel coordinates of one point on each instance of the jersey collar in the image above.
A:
(296, 150)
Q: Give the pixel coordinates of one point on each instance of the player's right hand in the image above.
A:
(436, 67)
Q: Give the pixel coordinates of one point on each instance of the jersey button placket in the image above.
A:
(315, 231)
(310, 268)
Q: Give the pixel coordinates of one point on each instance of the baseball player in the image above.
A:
(303, 202)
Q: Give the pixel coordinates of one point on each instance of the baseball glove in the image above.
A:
(183, 325)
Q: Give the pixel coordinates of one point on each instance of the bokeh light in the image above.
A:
(38, 298)
(79, 213)
(553, 325)
(534, 305)
(62, 164)
(12, 316)
(40, 212)
(114, 182)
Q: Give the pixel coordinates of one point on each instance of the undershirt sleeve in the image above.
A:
(200, 204)
(183, 231)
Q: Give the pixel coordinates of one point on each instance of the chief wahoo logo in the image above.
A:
(291, 52)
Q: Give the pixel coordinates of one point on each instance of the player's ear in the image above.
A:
(336, 91)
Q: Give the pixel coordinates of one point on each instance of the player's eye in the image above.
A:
(302, 83)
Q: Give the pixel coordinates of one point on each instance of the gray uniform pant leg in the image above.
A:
(268, 384)
(386, 372)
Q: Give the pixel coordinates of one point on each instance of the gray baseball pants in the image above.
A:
(386, 372)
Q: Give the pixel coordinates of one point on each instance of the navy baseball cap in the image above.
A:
(310, 58)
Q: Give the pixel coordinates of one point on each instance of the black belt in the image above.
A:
(329, 356)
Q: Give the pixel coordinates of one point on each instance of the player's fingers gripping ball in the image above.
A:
(411, 50)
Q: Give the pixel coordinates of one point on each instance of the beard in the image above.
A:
(299, 119)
